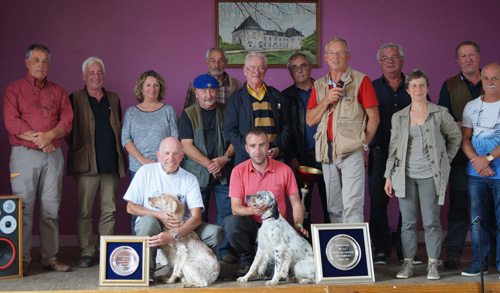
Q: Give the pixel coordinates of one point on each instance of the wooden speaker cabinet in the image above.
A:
(11, 247)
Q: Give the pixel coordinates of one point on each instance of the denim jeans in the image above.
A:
(221, 194)
(483, 192)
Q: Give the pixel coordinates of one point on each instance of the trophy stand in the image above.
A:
(308, 176)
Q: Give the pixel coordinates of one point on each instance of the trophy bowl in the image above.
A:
(308, 176)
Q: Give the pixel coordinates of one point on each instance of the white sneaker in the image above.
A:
(406, 269)
(432, 270)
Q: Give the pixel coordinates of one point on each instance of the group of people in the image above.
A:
(236, 139)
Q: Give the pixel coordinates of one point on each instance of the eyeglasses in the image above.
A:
(36, 100)
(254, 69)
(393, 58)
(301, 67)
(495, 126)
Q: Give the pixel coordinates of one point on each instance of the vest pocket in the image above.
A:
(349, 137)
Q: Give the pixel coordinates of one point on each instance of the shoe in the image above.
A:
(474, 271)
(432, 270)
(380, 259)
(229, 259)
(85, 262)
(25, 268)
(452, 262)
(57, 266)
(406, 270)
(242, 271)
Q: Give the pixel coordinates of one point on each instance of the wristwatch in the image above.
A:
(366, 147)
(490, 157)
(228, 158)
(176, 237)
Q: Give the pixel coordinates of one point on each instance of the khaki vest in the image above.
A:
(349, 119)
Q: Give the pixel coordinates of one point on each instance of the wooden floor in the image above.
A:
(87, 280)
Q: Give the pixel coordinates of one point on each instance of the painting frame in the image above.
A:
(108, 276)
(334, 267)
(275, 20)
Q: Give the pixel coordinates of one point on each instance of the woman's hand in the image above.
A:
(388, 187)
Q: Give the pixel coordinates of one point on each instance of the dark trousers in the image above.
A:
(241, 232)
(380, 232)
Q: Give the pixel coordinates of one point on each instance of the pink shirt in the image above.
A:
(278, 178)
(29, 107)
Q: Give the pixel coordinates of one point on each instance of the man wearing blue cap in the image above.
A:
(209, 155)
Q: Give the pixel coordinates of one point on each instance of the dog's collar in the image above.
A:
(271, 216)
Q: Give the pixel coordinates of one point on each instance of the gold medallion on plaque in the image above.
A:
(124, 260)
(343, 252)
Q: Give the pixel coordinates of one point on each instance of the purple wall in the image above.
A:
(171, 37)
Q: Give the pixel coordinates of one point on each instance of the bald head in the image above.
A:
(170, 154)
(490, 77)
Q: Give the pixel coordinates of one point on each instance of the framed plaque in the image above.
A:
(342, 252)
(124, 261)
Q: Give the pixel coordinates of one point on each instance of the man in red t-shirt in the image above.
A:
(344, 105)
(259, 173)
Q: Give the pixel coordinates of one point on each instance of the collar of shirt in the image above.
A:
(270, 167)
(31, 80)
(331, 82)
(262, 92)
(479, 84)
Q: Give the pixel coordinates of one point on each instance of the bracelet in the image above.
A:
(299, 225)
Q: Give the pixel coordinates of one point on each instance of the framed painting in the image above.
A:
(342, 253)
(275, 28)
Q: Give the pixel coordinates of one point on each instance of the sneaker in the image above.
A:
(474, 271)
(406, 270)
(432, 270)
(452, 262)
(242, 271)
(380, 259)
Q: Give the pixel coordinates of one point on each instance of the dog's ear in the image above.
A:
(273, 206)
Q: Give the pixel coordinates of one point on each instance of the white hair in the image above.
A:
(89, 62)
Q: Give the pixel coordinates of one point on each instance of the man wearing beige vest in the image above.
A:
(344, 105)
(95, 155)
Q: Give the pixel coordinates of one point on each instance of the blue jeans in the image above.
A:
(482, 192)
(221, 193)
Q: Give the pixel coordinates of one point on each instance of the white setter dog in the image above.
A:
(191, 260)
(278, 242)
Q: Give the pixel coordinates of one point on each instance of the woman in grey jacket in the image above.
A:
(424, 140)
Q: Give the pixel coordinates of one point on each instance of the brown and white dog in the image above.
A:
(278, 242)
(191, 260)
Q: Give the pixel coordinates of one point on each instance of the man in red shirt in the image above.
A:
(259, 173)
(37, 116)
(344, 105)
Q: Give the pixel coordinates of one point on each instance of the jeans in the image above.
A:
(458, 213)
(241, 231)
(481, 190)
(221, 194)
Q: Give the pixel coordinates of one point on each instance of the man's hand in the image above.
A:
(480, 163)
(49, 149)
(294, 163)
(168, 220)
(260, 209)
(487, 172)
(42, 139)
(302, 232)
(365, 157)
(273, 153)
(161, 239)
(334, 94)
(217, 165)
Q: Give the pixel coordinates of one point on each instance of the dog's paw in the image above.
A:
(271, 283)
(186, 285)
(305, 281)
(242, 279)
(171, 280)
